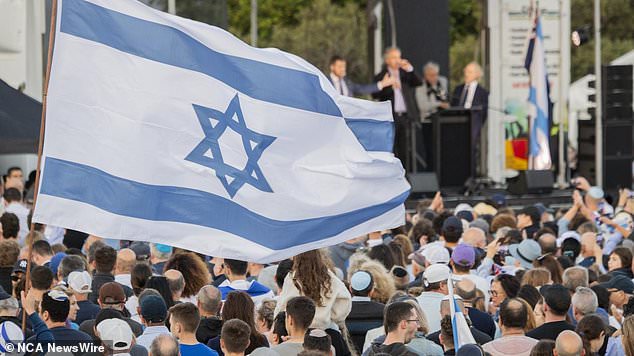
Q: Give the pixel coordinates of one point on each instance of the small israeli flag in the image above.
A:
(163, 129)
(539, 101)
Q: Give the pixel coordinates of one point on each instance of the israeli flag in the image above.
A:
(163, 129)
(538, 100)
(460, 328)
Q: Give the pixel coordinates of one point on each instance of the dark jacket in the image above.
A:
(98, 280)
(87, 310)
(88, 327)
(208, 329)
(363, 316)
(480, 337)
(409, 81)
(397, 349)
(5, 279)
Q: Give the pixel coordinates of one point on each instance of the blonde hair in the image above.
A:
(384, 286)
(531, 323)
(423, 325)
(536, 277)
(405, 243)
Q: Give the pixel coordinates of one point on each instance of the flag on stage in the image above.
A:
(460, 328)
(539, 100)
(163, 129)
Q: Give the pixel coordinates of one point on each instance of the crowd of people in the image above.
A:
(532, 281)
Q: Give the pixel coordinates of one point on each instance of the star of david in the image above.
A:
(209, 154)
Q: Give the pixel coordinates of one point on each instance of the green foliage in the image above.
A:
(325, 29)
(617, 33)
(464, 29)
(460, 54)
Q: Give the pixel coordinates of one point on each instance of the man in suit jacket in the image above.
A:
(347, 87)
(472, 95)
(401, 94)
(365, 314)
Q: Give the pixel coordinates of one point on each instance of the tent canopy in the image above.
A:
(20, 117)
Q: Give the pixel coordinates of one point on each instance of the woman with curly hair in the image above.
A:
(311, 277)
(194, 272)
(239, 305)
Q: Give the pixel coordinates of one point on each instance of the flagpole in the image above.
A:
(51, 39)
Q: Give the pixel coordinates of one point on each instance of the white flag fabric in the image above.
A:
(167, 130)
(538, 101)
(460, 328)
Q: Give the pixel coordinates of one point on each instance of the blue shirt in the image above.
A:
(195, 350)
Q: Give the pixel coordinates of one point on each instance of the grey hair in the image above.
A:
(431, 65)
(209, 298)
(164, 345)
(585, 300)
(9, 304)
(478, 67)
(390, 49)
(575, 277)
(71, 263)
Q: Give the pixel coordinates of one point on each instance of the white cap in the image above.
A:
(436, 273)
(463, 207)
(435, 252)
(116, 334)
(568, 235)
(80, 282)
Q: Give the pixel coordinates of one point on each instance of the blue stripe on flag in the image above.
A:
(82, 183)
(374, 135)
(165, 44)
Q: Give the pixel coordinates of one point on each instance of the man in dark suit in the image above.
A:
(472, 95)
(365, 313)
(347, 87)
(403, 99)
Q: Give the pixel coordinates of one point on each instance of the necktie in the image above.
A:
(463, 95)
(341, 86)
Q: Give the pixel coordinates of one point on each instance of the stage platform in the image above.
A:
(558, 198)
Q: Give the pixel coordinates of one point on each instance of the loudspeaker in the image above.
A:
(423, 182)
(531, 182)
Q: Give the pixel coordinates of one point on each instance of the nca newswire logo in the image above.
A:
(67, 347)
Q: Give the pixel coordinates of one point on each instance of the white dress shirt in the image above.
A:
(399, 100)
(22, 213)
(340, 85)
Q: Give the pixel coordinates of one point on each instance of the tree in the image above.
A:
(324, 29)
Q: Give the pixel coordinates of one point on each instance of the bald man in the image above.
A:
(568, 343)
(475, 237)
(548, 243)
(126, 258)
(482, 321)
(176, 283)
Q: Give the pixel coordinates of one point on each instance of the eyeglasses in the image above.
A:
(413, 320)
(15, 277)
(493, 293)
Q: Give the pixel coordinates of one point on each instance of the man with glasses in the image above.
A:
(400, 322)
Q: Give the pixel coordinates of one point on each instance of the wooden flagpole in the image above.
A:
(51, 40)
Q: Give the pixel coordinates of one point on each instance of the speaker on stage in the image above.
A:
(423, 183)
(532, 182)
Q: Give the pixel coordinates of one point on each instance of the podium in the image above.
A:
(454, 158)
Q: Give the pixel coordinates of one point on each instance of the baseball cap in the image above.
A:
(361, 281)
(463, 207)
(499, 199)
(111, 293)
(557, 297)
(484, 209)
(10, 334)
(436, 252)
(153, 308)
(141, 250)
(480, 224)
(162, 248)
(619, 282)
(541, 208)
(116, 334)
(568, 235)
(463, 255)
(452, 224)
(465, 215)
(20, 266)
(526, 252)
(436, 273)
(55, 261)
(80, 282)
